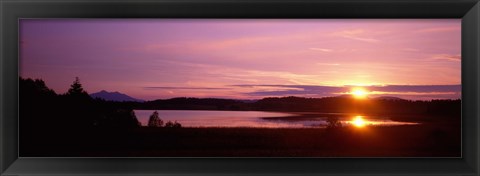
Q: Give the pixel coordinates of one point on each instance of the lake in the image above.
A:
(259, 119)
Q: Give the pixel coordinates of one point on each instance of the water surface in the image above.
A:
(257, 119)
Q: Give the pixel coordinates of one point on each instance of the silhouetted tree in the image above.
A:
(169, 124)
(177, 125)
(36, 101)
(79, 106)
(133, 119)
(154, 120)
(119, 118)
(76, 88)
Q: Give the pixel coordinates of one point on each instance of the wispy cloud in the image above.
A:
(328, 64)
(411, 93)
(439, 29)
(447, 57)
(403, 91)
(187, 88)
(356, 34)
(321, 49)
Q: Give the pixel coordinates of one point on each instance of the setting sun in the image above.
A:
(359, 93)
(358, 121)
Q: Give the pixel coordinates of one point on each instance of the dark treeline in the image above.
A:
(51, 121)
(184, 103)
(41, 105)
(342, 104)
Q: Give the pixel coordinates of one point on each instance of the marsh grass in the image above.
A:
(427, 140)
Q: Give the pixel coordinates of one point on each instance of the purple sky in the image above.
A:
(246, 59)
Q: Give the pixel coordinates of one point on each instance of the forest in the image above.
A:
(345, 104)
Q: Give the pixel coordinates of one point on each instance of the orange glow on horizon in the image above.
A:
(359, 93)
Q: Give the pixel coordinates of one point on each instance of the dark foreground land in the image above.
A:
(394, 141)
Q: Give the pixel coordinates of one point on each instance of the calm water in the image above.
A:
(193, 118)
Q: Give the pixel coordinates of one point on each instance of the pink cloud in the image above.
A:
(321, 49)
(356, 34)
(439, 29)
(447, 57)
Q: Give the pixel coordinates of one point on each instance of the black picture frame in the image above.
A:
(12, 10)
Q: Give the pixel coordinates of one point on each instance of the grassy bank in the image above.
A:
(426, 140)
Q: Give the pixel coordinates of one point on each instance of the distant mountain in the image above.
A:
(114, 96)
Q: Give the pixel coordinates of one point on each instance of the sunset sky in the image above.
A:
(246, 59)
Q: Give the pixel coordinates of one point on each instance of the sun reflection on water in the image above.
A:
(358, 121)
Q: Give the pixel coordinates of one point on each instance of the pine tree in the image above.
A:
(80, 104)
(154, 120)
(76, 88)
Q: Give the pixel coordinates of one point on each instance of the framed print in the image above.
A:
(240, 87)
